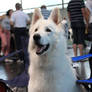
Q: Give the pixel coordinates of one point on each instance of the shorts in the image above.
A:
(78, 30)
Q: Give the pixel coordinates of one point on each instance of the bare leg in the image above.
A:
(80, 46)
(75, 49)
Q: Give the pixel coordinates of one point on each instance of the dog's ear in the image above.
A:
(36, 16)
(55, 16)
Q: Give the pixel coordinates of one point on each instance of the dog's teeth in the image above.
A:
(41, 49)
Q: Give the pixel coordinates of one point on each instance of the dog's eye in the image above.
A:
(48, 30)
(36, 29)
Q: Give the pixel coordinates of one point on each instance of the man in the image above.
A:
(20, 20)
(77, 14)
(45, 12)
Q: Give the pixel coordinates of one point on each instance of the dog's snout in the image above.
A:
(36, 37)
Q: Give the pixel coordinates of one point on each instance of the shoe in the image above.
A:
(20, 61)
(1, 53)
(8, 60)
(75, 65)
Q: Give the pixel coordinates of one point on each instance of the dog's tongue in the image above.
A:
(40, 49)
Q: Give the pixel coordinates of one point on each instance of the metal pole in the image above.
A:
(21, 4)
(62, 8)
(62, 4)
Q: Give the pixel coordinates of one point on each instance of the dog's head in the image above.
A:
(43, 33)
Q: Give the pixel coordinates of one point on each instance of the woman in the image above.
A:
(6, 29)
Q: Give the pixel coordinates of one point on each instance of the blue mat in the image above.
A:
(78, 58)
(10, 55)
(88, 81)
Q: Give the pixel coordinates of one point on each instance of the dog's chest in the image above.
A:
(45, 80)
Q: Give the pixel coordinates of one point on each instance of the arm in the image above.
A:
(69, 15)
(28, 22)
(11, 23)
(85, 13)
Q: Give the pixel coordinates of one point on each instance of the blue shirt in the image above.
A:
(45, 13)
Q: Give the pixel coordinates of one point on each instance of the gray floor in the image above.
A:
(10, 70)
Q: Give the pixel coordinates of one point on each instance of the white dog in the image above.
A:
(49, 69)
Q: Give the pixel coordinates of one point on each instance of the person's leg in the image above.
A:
(24, 39)
(80, 46)
(17, 39)
(3, 43)
(74, 30)
(75, 49)
(81, 33)
(81, 41)
(8, 42)
(18, 42)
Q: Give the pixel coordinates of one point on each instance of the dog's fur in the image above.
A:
(49, 70)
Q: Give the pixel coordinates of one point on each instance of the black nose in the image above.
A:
(36, 37)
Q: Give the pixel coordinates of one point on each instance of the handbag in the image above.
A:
(88, 33)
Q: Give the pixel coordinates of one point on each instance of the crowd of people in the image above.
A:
(13, 23)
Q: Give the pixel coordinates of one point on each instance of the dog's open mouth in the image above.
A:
(41, 48)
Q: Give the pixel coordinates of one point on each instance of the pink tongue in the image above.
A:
(39, 49)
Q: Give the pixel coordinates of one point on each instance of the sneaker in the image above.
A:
(75, 65)
(1, 53)
(20, 61)
(8, 60)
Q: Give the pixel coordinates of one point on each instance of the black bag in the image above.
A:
(4, 87)
(88, 35)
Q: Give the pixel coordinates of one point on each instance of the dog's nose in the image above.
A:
(36, 37)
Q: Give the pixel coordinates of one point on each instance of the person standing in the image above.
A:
(77, 14)
(6, 29)
(20, 20)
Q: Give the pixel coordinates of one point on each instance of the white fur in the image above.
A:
(49, 72)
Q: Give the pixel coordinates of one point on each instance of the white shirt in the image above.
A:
(89, 6)
(19, 19)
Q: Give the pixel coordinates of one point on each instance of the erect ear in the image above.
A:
(55, 16)
(36, 16)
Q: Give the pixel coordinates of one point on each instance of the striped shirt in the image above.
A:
(74, 8)
(45, 13)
